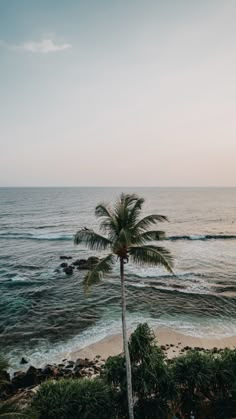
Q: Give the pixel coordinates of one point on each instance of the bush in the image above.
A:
(192, 375)
(141, 343)
(151, 378)
(73, 399)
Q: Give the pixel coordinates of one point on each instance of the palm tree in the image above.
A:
(127, 238)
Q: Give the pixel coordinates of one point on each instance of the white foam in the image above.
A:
(19, 278)
(213, 328)
(197, 237)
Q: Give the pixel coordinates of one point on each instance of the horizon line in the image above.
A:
(119, 186)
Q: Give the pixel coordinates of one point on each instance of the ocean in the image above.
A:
(44, 313)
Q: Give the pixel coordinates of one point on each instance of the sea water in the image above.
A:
(44, 313)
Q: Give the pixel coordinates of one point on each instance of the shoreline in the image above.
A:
(174, 343)
(88, 361)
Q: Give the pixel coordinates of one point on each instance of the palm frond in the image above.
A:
(92, 240)
(102, 210)
(135, 211)
(128, 199)
(148, 221)
(151, 255)
(108, 224)
(149, 236)
(103, 267)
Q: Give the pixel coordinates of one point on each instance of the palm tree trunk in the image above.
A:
(125, 342)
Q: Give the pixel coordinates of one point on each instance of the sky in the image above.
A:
(117, 93)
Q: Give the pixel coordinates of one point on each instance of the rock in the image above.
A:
(81, 262)
(63, 265)
(23, 361)
(48, 371)
(76, 262)
(65, 257)
(93, 260)
(25, 379)
(83, 363)
(32, 370)
(96, 369)
(5, 376)
(77, 373)
(71, 363)
(86, 263)
(68, 270)
(85, 266)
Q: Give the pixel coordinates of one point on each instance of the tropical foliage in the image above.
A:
(200, 382)
(203, 383)
(128, 237)
(8, 408)
(72, 399)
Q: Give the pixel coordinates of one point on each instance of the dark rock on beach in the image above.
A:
(23, 361)
(30, 380)
(81, 264)
(68, 270)
(63, 265)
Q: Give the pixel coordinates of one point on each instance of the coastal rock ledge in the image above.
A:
(80, 264)
(32, 377)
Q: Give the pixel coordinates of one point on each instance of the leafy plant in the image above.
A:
(72, 399)
(128, 237)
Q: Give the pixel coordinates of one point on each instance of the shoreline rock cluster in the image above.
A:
(80, 264)
(33, 377)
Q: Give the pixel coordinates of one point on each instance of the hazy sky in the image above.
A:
(117, 92)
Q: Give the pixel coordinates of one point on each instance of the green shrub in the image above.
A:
(141, 343)
(74, 399)
(153, 386)
(192, 375)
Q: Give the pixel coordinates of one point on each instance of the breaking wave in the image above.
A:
(203, 237)
(67, 236)
(33, 236)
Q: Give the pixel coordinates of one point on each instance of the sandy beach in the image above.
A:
(175, 342)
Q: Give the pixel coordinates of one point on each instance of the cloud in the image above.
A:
(43, 47)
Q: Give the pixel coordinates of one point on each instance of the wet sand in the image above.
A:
(174, 341)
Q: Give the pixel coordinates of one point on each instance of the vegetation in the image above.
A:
(203, 383)
(200, 382)
(8, 409)
(127, 237)
(72, 399)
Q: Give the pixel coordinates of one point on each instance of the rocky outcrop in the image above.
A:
(32, 377)
(68, 270)
(63, 265)
(23, 361)
(80, 264)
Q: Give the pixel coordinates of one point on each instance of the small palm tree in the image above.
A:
(127, 238)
